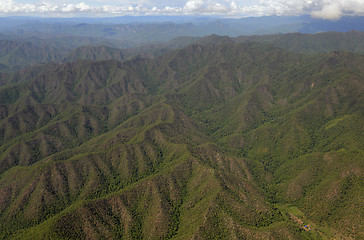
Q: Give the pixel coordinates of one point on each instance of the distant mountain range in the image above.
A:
(141, 30)
(197, 138)
(20, 53)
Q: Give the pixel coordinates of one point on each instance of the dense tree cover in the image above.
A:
(216, 140)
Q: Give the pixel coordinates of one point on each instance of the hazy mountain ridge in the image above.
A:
(312, 43)
(218, 139)
(25, 52)
(163, 29)
(15, 55)
(22, 53)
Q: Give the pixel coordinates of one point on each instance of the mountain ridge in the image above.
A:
(21, 53)
(218, 139)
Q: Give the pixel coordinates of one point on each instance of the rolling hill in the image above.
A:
(219, 139)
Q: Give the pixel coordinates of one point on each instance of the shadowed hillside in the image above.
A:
(216, 140)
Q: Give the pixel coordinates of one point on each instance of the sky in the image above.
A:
(324, 9)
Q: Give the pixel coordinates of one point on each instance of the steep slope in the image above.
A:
(283, 121)
(216, 140)
(169, 183)
(66, 111)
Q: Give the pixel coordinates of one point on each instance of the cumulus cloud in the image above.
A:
(194, 5)
(206, 7)
(326, 9)
(335, 9)
(9, 7)
(330, 11)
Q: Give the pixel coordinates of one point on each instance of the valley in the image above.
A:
(197, 138)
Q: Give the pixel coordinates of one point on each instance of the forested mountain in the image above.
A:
(312, 43)
(219, 139)
(15, 55)
(28, 51)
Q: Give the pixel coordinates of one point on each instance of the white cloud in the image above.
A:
(216, 7)
(233, 5)
(193, 5)
(326, 9)
(335, 9)
(331, 12)
(206, 7)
